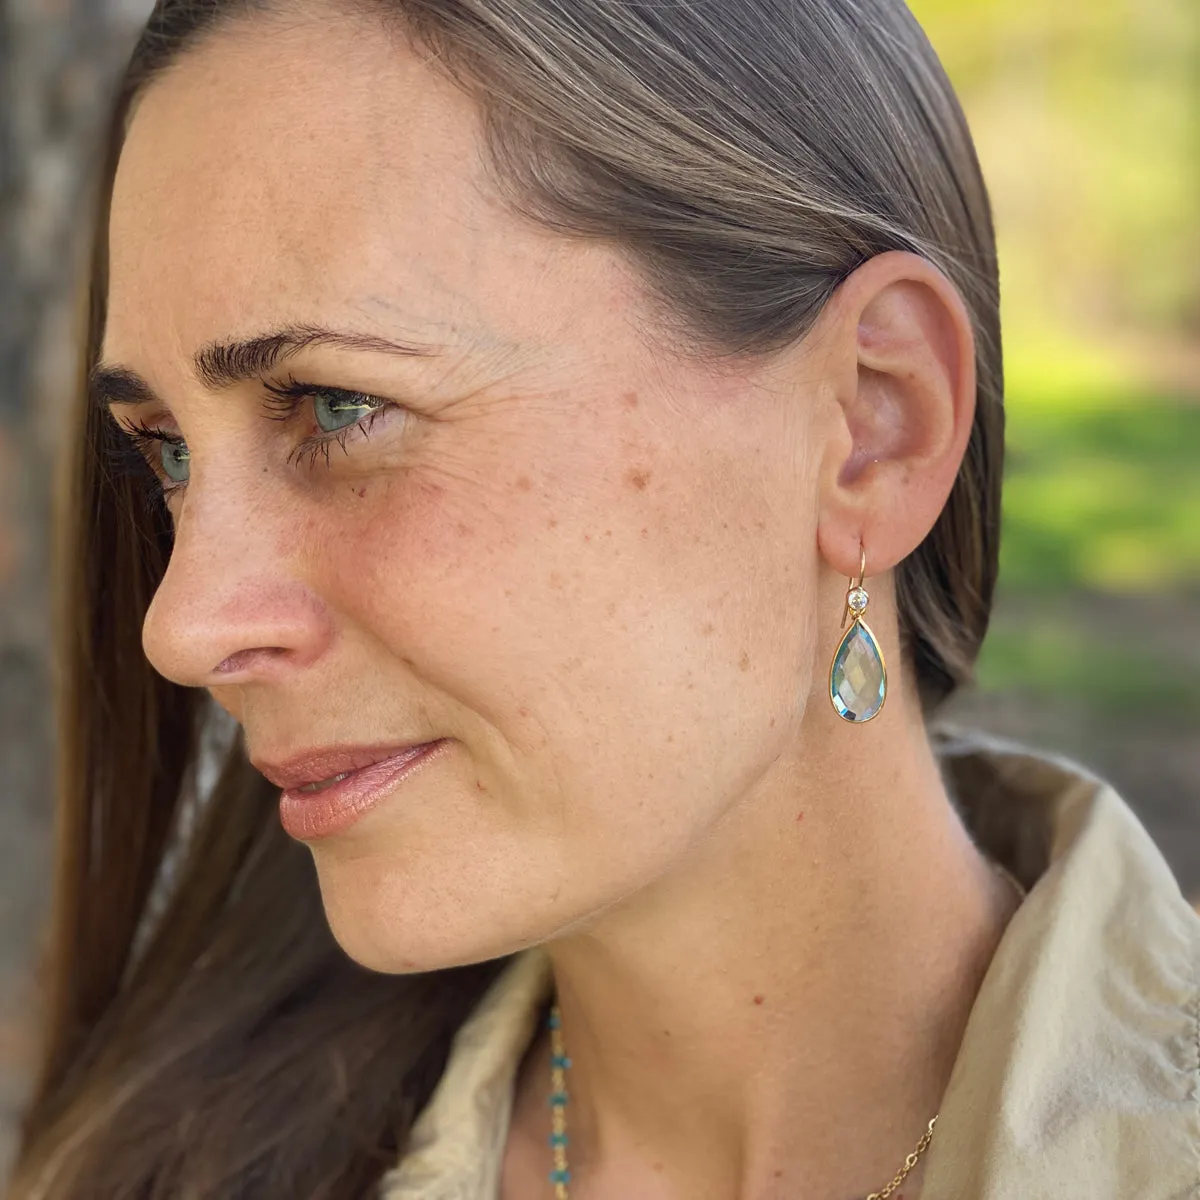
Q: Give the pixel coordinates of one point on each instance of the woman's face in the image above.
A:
(588, 563)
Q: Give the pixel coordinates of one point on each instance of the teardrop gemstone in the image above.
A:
(858, 678)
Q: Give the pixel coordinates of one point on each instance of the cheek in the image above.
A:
(483, 582)
(601, 616)
(467, 587)
(421, 561)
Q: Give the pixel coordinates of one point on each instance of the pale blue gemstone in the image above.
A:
(858, 680)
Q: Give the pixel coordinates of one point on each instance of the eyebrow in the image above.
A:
(221, 365)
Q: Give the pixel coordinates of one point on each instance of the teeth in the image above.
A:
(322, 784)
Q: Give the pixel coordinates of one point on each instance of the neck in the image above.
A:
(780, 1015)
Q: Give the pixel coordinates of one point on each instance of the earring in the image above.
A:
(857, 675)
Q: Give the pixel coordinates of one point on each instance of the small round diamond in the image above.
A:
(857, 599)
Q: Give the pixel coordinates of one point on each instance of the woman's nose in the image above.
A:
(234, 605)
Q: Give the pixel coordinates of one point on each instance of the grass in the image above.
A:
(1103, 495)
(1102, 483)
(1102, 499)
(1058, 658)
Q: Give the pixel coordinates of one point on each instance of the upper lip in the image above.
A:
(323, 762)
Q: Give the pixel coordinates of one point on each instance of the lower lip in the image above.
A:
(309, 815)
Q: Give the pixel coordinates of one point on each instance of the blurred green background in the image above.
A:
(1087, 121)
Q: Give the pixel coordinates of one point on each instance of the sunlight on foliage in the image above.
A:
(1087, 122)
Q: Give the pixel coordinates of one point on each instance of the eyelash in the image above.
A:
(133, 456)
(283, 401)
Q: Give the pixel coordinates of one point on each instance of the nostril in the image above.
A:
(235, 662)
(245, 659)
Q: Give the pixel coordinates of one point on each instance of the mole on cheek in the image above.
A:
(638, 478)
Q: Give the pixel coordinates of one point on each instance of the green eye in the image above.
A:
(175, 457)
(336, 409)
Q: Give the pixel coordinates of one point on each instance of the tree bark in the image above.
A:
(58, 62)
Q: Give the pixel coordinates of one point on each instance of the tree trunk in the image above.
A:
(58, 62)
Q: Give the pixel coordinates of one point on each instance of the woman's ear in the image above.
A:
(898, 355)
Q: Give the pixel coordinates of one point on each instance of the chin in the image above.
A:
(416, 933)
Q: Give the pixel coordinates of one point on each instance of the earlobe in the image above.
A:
(902, 350)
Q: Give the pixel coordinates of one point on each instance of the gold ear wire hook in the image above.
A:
(862, 574)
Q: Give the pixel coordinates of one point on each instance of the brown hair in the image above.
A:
(750, 154)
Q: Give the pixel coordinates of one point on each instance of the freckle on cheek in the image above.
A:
(638, 478)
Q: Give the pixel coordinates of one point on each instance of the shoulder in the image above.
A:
(1079, 1074)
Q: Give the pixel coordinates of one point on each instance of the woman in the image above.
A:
(581, 833)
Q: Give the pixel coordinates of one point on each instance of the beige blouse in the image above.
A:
(1078, 1077)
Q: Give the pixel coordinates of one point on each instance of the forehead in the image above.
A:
(285, 171)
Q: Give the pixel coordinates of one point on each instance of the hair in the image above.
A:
(749, 155)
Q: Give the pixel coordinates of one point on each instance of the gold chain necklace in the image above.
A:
(559, 1062)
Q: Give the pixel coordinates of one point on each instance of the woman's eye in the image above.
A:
(175, 458)
(335, 410)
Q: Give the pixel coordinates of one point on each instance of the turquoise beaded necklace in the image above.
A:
(559, 1062)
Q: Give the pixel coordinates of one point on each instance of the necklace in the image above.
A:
(559, 1062)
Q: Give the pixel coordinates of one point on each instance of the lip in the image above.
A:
(310, 815)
